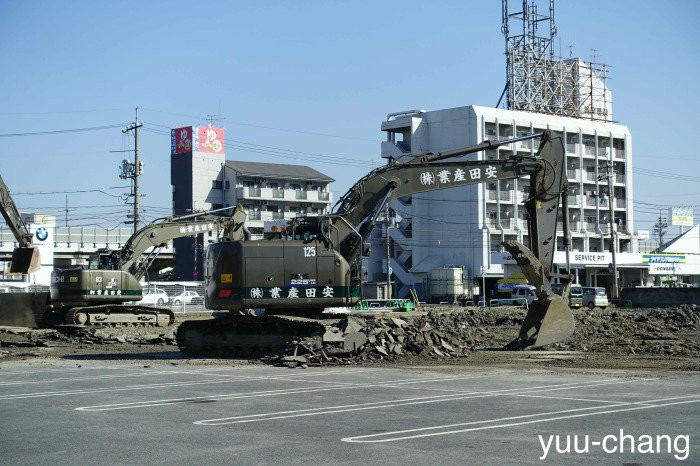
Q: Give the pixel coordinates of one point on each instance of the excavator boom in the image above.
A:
(25, 258)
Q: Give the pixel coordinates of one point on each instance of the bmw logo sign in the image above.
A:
(42, 234)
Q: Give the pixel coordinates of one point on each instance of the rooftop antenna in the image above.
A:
(526, 54)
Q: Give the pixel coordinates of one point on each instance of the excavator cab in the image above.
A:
(24, 261)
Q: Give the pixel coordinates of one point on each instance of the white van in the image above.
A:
(522, 294)
(594, 297)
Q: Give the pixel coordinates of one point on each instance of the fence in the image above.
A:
(182, 296)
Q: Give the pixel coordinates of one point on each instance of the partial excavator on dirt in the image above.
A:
(319, 265)
(104, 292)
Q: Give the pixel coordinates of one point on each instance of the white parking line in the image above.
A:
(411, 433)
(396, 403)
(154, 386)
(263, 393)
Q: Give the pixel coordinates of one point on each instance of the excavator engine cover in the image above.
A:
(24, 261)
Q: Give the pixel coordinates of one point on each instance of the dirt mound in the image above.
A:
(436, 335)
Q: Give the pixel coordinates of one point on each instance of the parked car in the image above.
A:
(522, 294)
(186, 297)
(154, 297)
(575, 294)
(594, 297)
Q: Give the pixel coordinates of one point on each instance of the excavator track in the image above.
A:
(109, 315)
(244, 336)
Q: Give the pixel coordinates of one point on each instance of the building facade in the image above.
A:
(202, 179)
(465, 226)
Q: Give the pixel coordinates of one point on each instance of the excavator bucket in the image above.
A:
(24, 261)
(547, 321)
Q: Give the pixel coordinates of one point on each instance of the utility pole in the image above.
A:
(659, 229)
(137, 168)
(388, 254)
(613, 233)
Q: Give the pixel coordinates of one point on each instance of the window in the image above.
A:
(295, 186)
(216, 184)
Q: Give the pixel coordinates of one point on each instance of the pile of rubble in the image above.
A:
(358, 340)
(436, 335)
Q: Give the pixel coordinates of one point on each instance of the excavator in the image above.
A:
(107, 290)
(318, 265)
(18, 309)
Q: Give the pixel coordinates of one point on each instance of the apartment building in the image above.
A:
(465, 226)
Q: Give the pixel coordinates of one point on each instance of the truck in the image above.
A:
(108, 290)
(317, 264)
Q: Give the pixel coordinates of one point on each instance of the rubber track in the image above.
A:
(244, 336)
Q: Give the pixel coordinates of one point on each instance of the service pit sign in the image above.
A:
(197, 139)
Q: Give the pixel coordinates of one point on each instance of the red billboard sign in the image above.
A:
(196, 139)
(211, 139)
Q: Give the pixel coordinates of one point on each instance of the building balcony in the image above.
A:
(506, 195)
(575, 200)
(573, 174)
(277, 194)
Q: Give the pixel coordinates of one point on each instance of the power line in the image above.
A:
(62, 131)
(65, 112)
(288, 153)
(268, 127)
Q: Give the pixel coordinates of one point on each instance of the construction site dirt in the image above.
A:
(655, 339)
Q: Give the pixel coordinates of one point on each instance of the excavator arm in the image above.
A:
(357, 211)
(25, 258)
(549, 319)
(156, 235)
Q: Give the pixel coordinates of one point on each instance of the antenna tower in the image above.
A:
(538, 81)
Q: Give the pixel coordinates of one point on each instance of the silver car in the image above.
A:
(594, 297)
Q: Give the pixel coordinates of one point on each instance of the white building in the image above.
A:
(465, 226)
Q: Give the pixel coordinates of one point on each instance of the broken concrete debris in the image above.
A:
(437, 335)
(356, 339)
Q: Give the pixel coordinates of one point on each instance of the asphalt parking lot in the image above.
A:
(135, 414)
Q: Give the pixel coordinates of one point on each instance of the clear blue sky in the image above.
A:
(311, 79)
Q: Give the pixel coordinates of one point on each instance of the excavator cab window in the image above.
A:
(101, 262)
